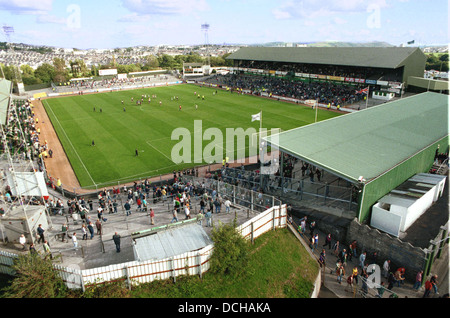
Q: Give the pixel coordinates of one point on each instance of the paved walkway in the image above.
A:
(100, 251)
(335, 290)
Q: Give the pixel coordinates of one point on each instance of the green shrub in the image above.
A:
(231, 251)
(35, 278)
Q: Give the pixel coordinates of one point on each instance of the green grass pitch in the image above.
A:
(148, 128)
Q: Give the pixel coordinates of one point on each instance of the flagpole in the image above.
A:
(367, 97)
(262, 151)
(317, 107)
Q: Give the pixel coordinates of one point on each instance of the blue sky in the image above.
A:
(122, 23)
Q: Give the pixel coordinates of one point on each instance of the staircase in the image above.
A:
(441, 169)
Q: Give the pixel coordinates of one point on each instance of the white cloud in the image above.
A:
(26, 6)
(310, 9)
(48, 18)
(134, 17)
(163, 7)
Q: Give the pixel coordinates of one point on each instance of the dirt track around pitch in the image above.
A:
(59, 165)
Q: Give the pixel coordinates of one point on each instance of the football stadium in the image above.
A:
(347, 143)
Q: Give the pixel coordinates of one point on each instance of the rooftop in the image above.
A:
(372, 141)
(384, 57)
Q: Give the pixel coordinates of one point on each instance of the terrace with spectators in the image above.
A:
(324, 92)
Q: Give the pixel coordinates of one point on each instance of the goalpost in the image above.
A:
(314, 105)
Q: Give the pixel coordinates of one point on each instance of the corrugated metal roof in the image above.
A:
(5, 90)
(372, 141)
(384, 57)
(411, 190)
(171, 242)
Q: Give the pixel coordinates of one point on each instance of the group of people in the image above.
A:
(21, 132)
(362, 269)
(324, 92)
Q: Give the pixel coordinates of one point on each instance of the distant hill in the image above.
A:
(350, 44)
(326, 44)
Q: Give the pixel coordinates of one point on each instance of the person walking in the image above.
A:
(75, 240)
(22, 241)
(98, 225)
(418, 281)
(312, 244)
(116, 239)
(208, 217)
(174, 216)
(312, 227)
(353, 247)
(336, 248)
(341, 273)
(328, 241)
(40, 232)
(32, 249)
(428, 288)
(64, 230)
(152, 216)
(47, 250)
(343, 256)
(303, 226)
(362, 259)
(187, 212)
(227, 205)
(127, 207)
(433, 281)
(84, 231)
(91, 230)
(355, 274)
(386, 268)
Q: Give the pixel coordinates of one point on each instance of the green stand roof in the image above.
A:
(370, 142)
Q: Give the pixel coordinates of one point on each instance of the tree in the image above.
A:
(231, 250)
(79, 68)
(437, 63)
(151, 63)
(45, 73)
(166, 61)
(227, 62)
(35, 278)
(61, 74)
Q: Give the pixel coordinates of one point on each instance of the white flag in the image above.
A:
(256, 117)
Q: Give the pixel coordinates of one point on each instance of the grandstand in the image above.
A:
(345, 69)
(375, 149)
(381, 67)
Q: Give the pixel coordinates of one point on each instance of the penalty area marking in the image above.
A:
(148, 143)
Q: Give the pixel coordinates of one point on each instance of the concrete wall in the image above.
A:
(400, 253)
